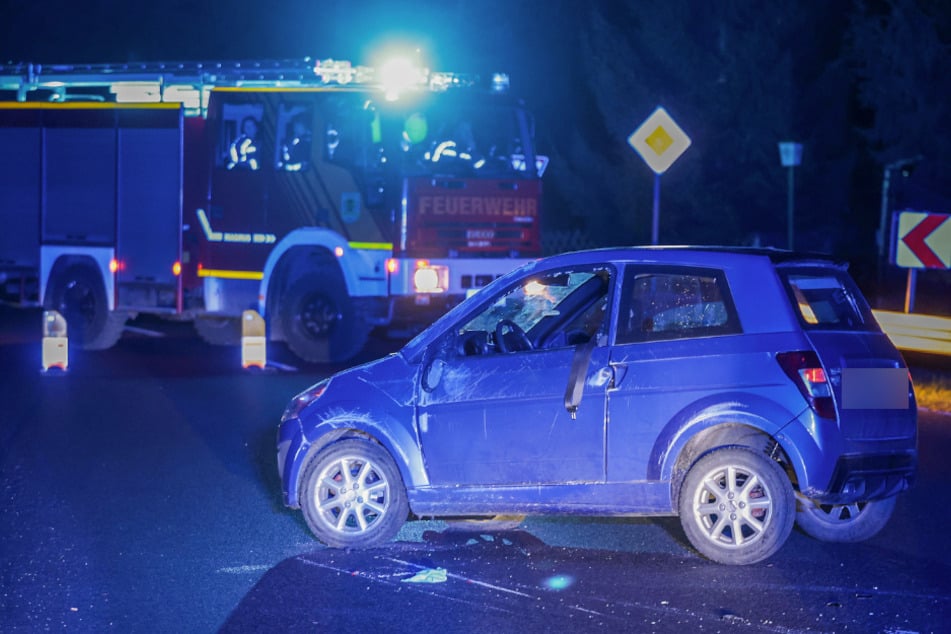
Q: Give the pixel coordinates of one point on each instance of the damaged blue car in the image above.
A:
(743, 390)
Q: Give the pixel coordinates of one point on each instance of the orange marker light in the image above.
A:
(177, 269)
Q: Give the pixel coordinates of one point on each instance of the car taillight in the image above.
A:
(803, 367)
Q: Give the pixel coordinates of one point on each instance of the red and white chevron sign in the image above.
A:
(923, 240)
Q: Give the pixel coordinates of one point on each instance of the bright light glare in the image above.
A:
(430, 278)
(534, 287)
(426, 281)
(559, 582)
(397, 75)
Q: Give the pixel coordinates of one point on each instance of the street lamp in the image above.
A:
(790, 155)
(880, 235)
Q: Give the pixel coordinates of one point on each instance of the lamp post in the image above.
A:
(880, 235)
(790, 155)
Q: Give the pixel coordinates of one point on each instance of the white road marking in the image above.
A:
(243, 570)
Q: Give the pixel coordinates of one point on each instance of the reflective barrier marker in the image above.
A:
(55, 342)
(914, 331)
(253, 342)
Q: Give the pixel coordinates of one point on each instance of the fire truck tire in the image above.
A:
(320, 322)
(80, 297)
(219, 331)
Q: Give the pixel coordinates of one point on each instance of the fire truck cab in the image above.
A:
(320, 194)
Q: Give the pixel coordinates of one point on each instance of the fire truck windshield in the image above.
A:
(462, 140)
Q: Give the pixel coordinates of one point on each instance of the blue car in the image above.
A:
(743, 390)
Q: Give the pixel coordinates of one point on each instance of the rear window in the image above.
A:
(827, 299)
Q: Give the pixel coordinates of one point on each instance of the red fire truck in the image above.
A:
(329, 197)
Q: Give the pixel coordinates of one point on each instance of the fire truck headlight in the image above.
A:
(431, 279)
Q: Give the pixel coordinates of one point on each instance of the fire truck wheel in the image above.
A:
(320, 323)
(80, 297)
(219, 331)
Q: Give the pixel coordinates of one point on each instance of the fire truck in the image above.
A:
(331, 198)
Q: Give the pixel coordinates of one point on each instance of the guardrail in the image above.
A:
(920, 333)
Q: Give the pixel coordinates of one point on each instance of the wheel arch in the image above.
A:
(63, 262)
(735, 430)
(393, 440)
(290, 267)
(293, 256)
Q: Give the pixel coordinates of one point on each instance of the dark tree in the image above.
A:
(901, 58)
(732, 76)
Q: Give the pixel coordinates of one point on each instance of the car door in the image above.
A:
(676, 353)
(488, 417)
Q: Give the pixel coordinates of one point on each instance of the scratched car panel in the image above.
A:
(700, 382)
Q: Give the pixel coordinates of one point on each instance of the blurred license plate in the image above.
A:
(874, 388)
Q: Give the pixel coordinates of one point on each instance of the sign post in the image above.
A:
(922, 241)
(660, 142)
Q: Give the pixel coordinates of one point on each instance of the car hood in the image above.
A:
(390, 376)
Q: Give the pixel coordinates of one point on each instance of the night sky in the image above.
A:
(860, 84)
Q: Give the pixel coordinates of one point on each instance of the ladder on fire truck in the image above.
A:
(190, 83)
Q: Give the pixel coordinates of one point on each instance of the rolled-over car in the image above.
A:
(743, 390)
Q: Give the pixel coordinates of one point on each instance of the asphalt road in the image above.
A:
(138, 493)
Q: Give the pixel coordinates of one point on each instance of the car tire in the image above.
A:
(80, 297)
(319, 319)
(352, 495)
(845, 523)
(736, 506)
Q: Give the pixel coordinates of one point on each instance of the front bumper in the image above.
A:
(289, 445)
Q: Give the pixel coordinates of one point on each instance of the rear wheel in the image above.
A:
(319, 319)
(843, 522)
(352, 495)
(737, 506)
(80, 297)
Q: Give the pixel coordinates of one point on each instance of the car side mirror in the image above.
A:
(432, 374)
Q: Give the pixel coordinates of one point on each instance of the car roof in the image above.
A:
(690, 254)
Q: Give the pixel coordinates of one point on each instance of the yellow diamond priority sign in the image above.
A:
(659, 141)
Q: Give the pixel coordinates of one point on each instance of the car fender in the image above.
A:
(738, 410)
(812, 445)
(351, 418)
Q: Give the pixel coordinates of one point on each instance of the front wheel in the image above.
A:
(737, 506)
(319, 319)
(352, 495)
(848, 523)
